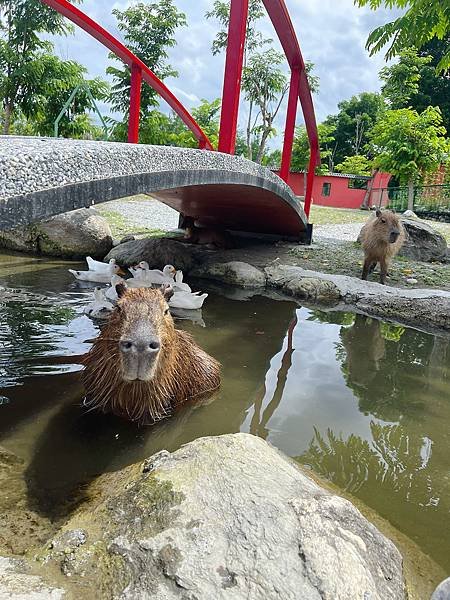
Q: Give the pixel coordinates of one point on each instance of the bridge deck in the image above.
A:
(41, 177)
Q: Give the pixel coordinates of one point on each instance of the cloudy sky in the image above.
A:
(332, 34)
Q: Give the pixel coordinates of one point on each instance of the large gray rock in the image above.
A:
(442, 592)
(17, 583)
(75, 234)
(158, 252)
(234, 273)
(223, 518)
(423, 242)
(429, 309)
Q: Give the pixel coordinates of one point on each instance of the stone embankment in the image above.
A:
(425, 308)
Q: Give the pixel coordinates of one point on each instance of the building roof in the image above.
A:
(342, 175)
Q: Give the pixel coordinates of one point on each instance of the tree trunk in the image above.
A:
(368, 194)
(249, 132)
(411, 194)
(262, 145)
(7, 121)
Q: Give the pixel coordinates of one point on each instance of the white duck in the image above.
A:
(100, 308)
(110, 292)
(155, 275)
(95, 265)
(138, 270)
(178, 284)
(147, 277)
(188, 300)
(96, 276)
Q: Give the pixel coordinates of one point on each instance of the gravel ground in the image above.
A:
(139, 213)
(345, 231)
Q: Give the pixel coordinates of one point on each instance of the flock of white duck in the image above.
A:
(141, 276)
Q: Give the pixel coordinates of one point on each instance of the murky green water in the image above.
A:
(364, 404)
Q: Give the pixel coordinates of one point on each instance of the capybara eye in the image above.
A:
(166, 312)
(125, 345)
(383, 220)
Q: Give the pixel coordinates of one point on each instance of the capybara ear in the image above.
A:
(121, 288)
(378, 213)
(167, 291)
(393, 211)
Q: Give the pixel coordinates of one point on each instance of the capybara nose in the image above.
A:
(394, 236)
(148, 346)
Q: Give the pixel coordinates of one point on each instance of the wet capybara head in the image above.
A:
(387, 226)
(144, 326)
(140, 367)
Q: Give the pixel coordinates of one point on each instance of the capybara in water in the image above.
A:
(140, 367)
(381, 239)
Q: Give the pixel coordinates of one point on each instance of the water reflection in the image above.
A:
(365, 404)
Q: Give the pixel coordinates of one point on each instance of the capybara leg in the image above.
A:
(383, 271)
(366, 269)
(372, 267)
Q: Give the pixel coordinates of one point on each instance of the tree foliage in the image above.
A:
(416, 72)
(401, 80)
(422, 21)
(59, 79)
(355, 165)
(148, 30)
(408, 144)
(301, 150)
(253, 38)
(352, 124)
(207, 115)
(23, 54)
(264, 85)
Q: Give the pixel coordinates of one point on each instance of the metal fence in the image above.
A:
(431, 201)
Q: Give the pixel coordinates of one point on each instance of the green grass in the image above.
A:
(121, 226)
(322, 215)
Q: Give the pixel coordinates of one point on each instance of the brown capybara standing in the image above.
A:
(140, 367)
(381, 239)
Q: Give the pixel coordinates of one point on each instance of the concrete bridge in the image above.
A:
(42, 177)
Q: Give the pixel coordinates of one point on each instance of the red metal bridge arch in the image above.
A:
(298, 90)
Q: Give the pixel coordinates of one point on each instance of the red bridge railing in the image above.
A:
(298, 90)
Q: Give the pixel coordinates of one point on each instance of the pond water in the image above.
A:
(363, 403)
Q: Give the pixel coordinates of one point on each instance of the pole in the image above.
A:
(290, 124)
(135, 104)
(232, 75)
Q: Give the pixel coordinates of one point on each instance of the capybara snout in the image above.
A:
(144, 325)
(393, 236)
(381, 238)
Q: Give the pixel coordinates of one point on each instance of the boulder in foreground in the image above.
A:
(226, 517)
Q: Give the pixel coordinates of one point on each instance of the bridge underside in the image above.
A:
(41, 177)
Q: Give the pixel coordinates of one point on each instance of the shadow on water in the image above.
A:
(365, 404)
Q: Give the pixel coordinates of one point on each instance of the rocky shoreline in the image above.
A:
(262, 267)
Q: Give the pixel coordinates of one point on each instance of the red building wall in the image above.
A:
(340, 194)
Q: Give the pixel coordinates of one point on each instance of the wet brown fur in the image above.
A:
(212, 237)
(377, 248)
(184, 371)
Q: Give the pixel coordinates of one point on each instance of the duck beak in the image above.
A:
(121, 272)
